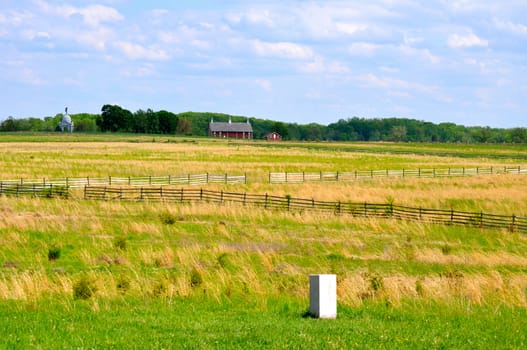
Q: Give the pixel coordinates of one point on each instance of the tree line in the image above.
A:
(114, 118)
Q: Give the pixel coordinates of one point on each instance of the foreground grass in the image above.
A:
(242, 324)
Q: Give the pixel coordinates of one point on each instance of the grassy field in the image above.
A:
(89, 274)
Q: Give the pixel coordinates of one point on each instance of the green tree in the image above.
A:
(168, 122)
(184, 126)
(398, 133)
(114, 118)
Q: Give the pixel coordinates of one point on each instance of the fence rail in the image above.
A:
(36, 190)
(450, 217)
(79, 182)
(301, 177)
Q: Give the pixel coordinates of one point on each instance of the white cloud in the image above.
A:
(364, 49)
(281, 49)
(32, 35)
(92, 15)
(145, 70)
(400, 86)
(94, 38)
(321, 66)
(515, 28)
(136, 51)
(16, 18)
(350, 28)
(467, 40)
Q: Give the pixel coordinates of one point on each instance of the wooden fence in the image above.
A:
(79, 182)
(450, 217)
(36, 190)
(301, 177)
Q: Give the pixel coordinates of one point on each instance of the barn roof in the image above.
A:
(230, 127)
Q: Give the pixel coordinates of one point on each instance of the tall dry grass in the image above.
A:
(171, 250)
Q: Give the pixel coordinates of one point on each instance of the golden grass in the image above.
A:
(251, 252)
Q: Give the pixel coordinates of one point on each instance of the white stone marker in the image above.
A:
(323, 296)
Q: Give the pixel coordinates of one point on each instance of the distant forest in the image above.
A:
(117, 119)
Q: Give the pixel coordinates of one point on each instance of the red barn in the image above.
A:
(274, 136)
(231, 130)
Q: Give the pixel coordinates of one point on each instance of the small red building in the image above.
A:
(274, 136)
(231, 130)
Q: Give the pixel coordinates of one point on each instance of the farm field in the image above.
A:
(84, 273)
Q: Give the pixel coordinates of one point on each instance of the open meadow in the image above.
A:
(78, 273)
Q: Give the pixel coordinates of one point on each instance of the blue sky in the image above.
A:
(459, 61)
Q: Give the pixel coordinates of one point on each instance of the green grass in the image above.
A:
(241, 324)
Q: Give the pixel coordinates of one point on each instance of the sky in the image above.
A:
(458, 61)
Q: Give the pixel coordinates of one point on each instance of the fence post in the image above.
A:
(207, 177)
(265, 205)
(85, 188)
(226, 178)
(452, 216)
(511, 229)
(110, 180)
(419, 172)
(244, 199)
(149, 179)
(221, 197)
(403, 172)
(169, 179)
(17, 185)
(141, 195)
(188, 177)
(201, 194)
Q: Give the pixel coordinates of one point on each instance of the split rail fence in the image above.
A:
(301, 177)
(79, 182)
(450, 217)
